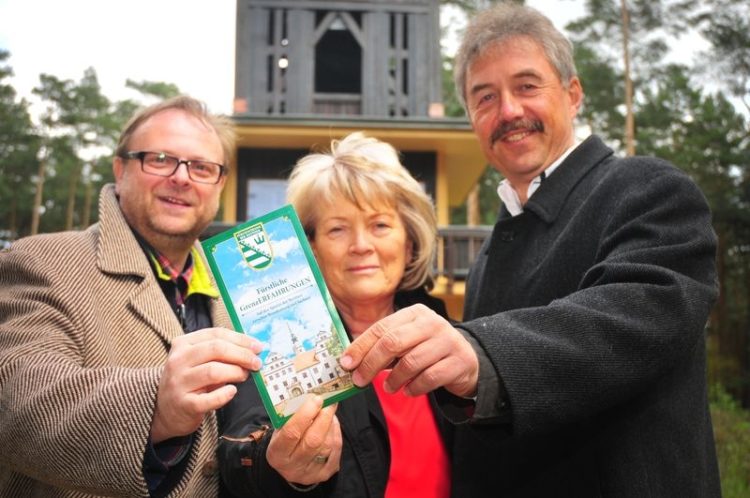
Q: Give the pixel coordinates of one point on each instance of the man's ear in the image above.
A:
(575, 94)
(118, 169)
(222, 182)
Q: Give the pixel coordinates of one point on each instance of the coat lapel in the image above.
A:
(119, 253)
(550, 198)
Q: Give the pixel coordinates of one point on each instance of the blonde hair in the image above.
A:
(367, 172)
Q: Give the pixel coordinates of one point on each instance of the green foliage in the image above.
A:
(157, 89)
(726, 25)
(453, 107)
(703, 134)
(472, 6)
(489, 202)
(603, 92)
(602, 26)
(19, 146)
(333, 345)
(732, 432)
(73, 142)
(78, 122)
(61, 165)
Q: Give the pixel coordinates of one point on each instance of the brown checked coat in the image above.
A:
(84, 332)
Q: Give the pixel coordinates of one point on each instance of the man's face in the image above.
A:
(520, 111)
(174, 209)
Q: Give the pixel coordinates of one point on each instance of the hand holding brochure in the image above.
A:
(274, 292)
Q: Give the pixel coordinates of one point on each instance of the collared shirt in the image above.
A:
(508, 194)
(165, 271)
(193, 279)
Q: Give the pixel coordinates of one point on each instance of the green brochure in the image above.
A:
(274, 291)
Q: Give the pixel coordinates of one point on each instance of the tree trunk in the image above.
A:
(716, 324)
(37, 207)
(13, 221)
(742, 340)
(88, 187)
(472, 206)
(72, 187)
(629, 119)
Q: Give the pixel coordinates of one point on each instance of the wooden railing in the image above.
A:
(348, 104)
(458, 246)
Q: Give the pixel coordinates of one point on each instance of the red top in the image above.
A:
(419, 462)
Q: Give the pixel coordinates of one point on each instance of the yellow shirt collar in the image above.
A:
(200, 281)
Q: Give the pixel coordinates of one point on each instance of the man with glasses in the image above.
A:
(114, 347)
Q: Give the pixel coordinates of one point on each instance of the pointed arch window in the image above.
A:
(338, 52)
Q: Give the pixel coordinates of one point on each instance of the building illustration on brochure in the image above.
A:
(274, 291)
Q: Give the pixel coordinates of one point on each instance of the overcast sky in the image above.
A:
(186, 42)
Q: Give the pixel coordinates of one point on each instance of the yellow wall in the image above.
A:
(459, 159)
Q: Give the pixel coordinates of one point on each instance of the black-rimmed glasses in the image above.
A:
(161, 164)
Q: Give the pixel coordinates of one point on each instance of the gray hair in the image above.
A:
(367, 172)
(508, 20)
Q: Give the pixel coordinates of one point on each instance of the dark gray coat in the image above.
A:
(591, 306)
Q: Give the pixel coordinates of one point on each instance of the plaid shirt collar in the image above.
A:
(193, 279)
(169, 271)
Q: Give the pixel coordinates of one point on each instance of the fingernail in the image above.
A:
(357, 379)
(387, 388)
(346, 361)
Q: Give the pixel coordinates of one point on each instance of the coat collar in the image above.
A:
(548, 200)
(118, 253)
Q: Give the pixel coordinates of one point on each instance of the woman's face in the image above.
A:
(362, 253)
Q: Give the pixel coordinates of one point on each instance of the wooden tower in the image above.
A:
(353, 58)
(309, 71)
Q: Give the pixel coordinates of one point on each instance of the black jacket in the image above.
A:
(365, 458)
(591, 306)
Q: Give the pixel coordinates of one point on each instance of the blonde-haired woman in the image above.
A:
(372, 229)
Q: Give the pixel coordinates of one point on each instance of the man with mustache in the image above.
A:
(579, 368)
(114, 347)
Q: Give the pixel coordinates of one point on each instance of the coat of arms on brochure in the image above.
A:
(255, 246)
(286, 306)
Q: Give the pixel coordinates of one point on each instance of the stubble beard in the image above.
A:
(177, 238)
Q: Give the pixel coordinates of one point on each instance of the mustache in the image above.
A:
(518, 124)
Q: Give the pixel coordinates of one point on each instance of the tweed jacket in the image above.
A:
(591, 306)
(84, 334)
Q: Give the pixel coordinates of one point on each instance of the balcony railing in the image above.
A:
(348, 104)
(457, 248)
